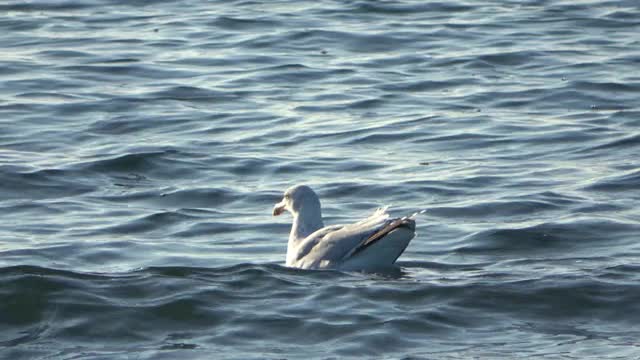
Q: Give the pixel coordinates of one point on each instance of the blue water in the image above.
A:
(144, 143)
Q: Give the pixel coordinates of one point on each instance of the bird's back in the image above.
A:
(375, 241)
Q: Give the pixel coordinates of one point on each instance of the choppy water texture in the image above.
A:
(143, 144)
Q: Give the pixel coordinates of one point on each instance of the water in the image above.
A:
(143, 145)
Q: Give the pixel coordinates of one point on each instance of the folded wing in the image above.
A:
(357, 245)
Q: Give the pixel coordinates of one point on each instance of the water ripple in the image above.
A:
(144, 144)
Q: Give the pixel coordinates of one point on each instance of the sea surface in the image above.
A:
(144, 143)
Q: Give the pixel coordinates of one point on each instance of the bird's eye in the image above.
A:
(286, 196)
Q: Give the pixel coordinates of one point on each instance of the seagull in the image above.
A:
(370, 244)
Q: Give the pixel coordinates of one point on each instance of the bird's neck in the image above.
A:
(305, 222)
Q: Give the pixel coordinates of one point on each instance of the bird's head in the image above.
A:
(295, 199)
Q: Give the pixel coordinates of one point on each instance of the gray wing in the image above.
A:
(331, 245)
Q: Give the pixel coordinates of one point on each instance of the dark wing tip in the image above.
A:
(408, 223)
(404, 222)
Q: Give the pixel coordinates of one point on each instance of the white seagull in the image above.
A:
(367, 245)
